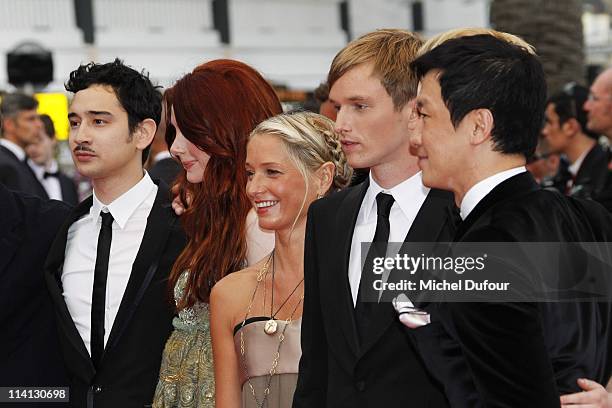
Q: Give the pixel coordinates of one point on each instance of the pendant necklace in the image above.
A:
(271, 325)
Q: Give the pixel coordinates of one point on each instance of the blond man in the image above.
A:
(355, 351)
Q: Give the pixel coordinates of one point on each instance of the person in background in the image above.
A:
(42, 162)
(21, 126)
(210, 113)
(566, 132)
(546, 167)
(292, 160)
(31, 355)
(326, 108)
(599, 110)
(161, 163)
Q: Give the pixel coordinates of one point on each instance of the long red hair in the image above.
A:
(216, 107)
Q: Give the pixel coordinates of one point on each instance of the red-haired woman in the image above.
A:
(212, 111)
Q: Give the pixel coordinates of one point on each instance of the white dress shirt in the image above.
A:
(130, 212)
(16, 149)
(575, 166)
(164, 154)
(409, 196)
(50, 184)
(479, 190)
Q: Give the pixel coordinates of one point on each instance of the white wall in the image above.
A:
(443, 15)
(290, 41)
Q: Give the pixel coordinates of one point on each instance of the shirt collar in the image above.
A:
(164, 154)
(37, 169)
(40, 170)
(124, 206)
(13, 147)
(404, 194)
(484, 187)
(53, 166)
(575, 166)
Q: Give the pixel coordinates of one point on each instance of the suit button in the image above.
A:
(360, 385)
(97, 389)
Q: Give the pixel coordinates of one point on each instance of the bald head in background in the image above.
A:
(599, 105)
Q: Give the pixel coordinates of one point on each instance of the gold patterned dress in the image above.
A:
(186, 376)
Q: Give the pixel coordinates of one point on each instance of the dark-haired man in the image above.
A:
(57, 185)
(21, 126)
(566, 131)
(108, 267)
(479, 120)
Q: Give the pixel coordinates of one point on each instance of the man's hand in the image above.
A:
(593, 396)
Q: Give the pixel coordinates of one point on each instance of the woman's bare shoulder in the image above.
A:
(238, 282)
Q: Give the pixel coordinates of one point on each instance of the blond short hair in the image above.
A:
(391, 51)
(470, 31)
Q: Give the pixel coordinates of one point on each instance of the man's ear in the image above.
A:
(144, 133)
(482, 126)
(571, 126)
(8, 125)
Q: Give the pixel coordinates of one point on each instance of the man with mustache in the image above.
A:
(108, 267)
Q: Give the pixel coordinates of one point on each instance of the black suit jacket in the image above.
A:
(69, 189)
(520, 354)
(165, 169)
(591, 174)
(603, 192)
(335, 370)
(17, 175)
(132, 357)
(30, 351)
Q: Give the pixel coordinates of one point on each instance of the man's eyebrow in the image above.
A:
(89, 113)
(98, 113)
(355, 98)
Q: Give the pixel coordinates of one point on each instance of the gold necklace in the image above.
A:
(261, 276)
(272, 325)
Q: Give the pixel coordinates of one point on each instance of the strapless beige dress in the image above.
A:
(260, 350)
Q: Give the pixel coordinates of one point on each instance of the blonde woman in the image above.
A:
(292, 159)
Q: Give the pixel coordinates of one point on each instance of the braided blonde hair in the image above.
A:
(311, 141)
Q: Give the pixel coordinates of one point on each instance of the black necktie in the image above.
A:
(378, 248)
(99, 288)
(50, 174)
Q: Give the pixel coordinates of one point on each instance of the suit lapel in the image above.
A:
(145, 265)
(341, 289)
(11, 235)
(69, 190)
(38, 185)
(53, 274)
(595, 160)
(435, 221)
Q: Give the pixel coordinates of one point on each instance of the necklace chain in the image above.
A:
(273, 314)
(281, 337)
